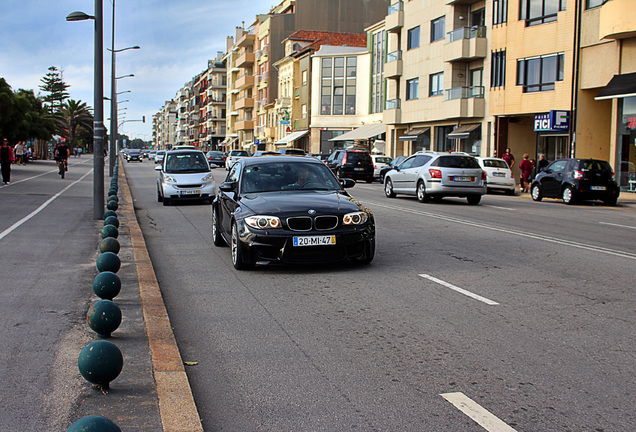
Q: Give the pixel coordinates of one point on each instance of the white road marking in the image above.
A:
(476, 412)
(501, 208)
(613, 224)
(39, 209)
(534, 236)
(460, 290)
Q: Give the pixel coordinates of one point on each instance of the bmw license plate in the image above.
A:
(598, 188)
(462, 179)
(315, 240)
(190, 192)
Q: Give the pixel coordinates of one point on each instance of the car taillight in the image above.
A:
(344, 159)
(435, 173)
(375, 167)
(613, 175)
(578, 175)
(483, 175)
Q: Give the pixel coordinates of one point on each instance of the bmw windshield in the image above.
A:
(281, 176)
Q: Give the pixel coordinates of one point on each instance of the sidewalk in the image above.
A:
(152, 392)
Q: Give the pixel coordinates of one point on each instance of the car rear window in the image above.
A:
(594, 165)
(239, 153)
(494, 163)
(358, 156)
(383, 159)
(456, 162)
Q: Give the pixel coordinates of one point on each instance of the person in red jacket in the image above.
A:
(526, 168)
(6, 159)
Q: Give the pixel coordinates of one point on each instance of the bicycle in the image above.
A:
(63, 168)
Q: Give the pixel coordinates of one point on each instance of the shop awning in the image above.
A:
(413, 133)
(227, 142)
(621, 86)
(291, 138)
(362, 133)
(463, 131)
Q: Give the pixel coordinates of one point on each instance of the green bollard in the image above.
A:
(112, 205)
(112, 220)
(108, 261)
(100, 362)
(109, 244)
(110, 213)
(104, 317)
(110, 231)
(106, 285)
(94, 423)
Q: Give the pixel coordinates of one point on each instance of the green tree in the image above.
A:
(34, 121)
(71, 116)
(53, 84)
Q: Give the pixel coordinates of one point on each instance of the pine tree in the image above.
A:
(53, 84)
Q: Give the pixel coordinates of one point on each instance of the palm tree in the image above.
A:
(72, 115)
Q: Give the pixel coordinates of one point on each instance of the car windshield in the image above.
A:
(495, 163)
(186, 163)
(456, 162)
(283, 176)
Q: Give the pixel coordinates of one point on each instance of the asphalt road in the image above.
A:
(522, 309)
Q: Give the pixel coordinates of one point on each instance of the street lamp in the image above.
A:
(98, 107)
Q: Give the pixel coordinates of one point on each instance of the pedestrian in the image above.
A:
(525, 166)
(6, 159)
(19, 153)
(509, 158)
(28, 155)
(543, 163)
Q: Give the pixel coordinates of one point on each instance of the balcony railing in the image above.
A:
(395, 7)
(466, 33)
(465, 92)
(392, 104)
(394, 56)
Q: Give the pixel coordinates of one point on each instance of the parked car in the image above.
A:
(134, 155)
(234, 156)
(319, 156)
(577, 179)
(352, 163)
(498, 175)
(159, 156)
(265, 153)
(379, 162)
(151, 154)
(395, 162)
(436, 175)
(292, 210)
(216, 158)
(184, 175)
(292, 151)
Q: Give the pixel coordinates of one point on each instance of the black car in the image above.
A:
(352, 163)
(134, 155)
(216, 158)
(291, 210)
(576, 179)
(395, 162)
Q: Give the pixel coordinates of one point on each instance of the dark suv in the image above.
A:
(134, 155)
(577, 179)
(352, 163)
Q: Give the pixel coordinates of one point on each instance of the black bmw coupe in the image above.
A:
(291, 210)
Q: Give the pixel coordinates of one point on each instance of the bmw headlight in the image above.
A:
(169, 179)
(263, 222)
(357, 218)
(208, 178)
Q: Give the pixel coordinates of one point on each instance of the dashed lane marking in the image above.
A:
(476, 412)
(460, 290)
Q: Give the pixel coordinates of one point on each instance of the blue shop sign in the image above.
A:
(554, 121)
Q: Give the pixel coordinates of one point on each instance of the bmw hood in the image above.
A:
(300, 203)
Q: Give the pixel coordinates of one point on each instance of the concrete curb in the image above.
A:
(176, 404)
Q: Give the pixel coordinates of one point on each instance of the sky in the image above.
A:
(176, 37)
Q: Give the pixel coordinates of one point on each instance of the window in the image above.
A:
(412, 88)
(438, 29)
(303, 110)
(377, 71)
(536, 12)
(540, 73)
(498, 71)
(436, 85)
(338, 85)
(413, 38)
(499, 11)
(594, 3)
(304, 77)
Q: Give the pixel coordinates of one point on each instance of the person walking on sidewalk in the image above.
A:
(6, 159)
(19, 153)
(526, 168)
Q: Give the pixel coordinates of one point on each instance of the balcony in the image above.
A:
(243, 103)
(244, 124)
(464, 102)
(617, 20)
(244, 81)
(466, 44)
(246, 40)
(392, 112)
(462, 2)
(245, 59)
(393, 65)
(394, 20)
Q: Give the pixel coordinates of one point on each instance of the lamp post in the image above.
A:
(98, 108)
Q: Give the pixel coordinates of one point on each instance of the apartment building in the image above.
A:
(164, 125)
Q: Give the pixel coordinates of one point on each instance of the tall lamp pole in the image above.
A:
(98, 107)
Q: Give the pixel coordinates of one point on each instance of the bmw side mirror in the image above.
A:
(347, 183)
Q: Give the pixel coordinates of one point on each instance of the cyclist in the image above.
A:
(61, 154)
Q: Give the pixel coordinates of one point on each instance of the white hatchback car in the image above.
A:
(185, 175)
(498, 174)
(379, 162)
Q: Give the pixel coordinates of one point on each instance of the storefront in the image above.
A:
(553, 139)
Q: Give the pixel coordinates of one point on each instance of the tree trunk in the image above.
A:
(41, 150)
